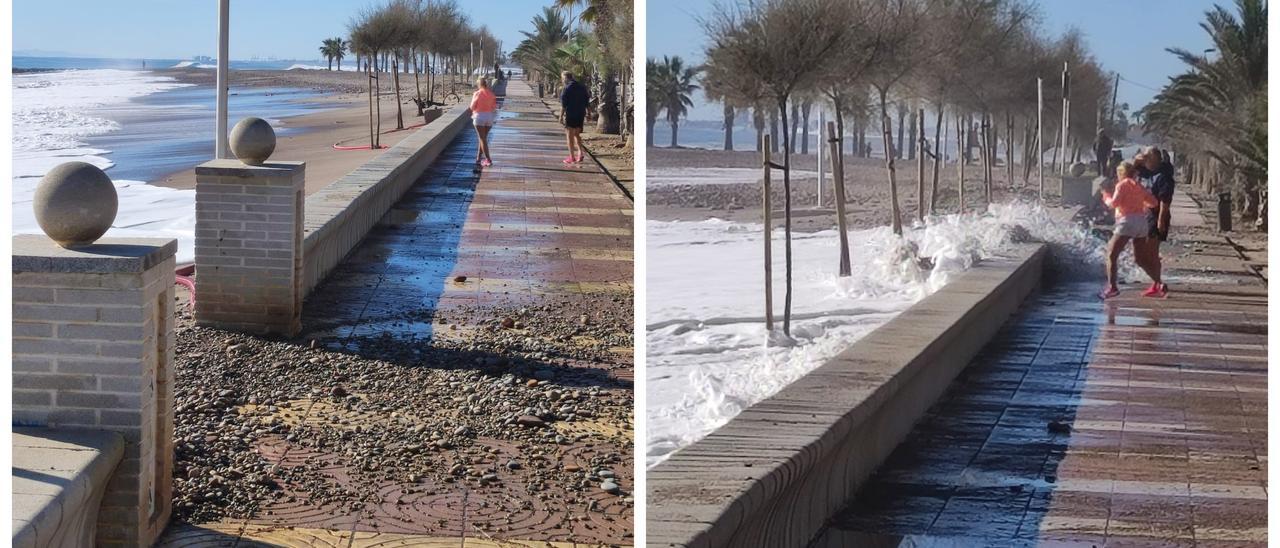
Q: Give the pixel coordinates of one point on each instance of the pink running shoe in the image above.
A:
(486, 163)
(567, 160)
(1109, 293)
(1156, 290)
(579, 159)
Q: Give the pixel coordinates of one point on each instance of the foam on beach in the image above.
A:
(301, 66)
(52, 115)
(707, 353)
(193, 64)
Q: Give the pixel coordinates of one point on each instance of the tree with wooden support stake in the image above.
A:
(837, 183)
(767, 164)
(779, 46)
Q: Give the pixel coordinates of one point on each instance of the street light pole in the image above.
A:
(221, 148)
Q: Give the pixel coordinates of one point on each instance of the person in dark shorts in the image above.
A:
(1155, 173)
(573, 113)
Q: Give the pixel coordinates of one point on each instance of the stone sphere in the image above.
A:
(1078, 169)
(75, 204)
(253, 141)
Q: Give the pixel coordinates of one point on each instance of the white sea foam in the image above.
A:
(349, 67)
(707, 353)
(193, 64)
(52, 117)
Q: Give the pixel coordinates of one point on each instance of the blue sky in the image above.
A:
(169, 29)
(1136, 51)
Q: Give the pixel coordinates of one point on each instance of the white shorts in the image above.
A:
(1133, 226)
(484, 118)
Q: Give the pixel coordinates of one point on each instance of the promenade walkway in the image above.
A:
(1134, 422)
(511, 234)
(529, 240)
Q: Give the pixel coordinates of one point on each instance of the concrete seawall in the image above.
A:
(775, 473)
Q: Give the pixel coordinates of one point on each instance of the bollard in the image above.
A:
(1224, 212)
(541, 92)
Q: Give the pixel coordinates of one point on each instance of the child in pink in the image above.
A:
(1130, 202)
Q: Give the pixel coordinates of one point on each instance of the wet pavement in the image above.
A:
(1135, 422)
(462, 248)
(526, 228)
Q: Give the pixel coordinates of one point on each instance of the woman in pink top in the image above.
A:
(1130, 201)
(484, 112)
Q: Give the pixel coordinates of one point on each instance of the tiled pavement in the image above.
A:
(1135, 422)
(524, 228)
(527, 229)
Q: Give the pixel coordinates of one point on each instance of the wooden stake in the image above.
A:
(937, 159)
(919, 131)
(837, 183)
(1066, 117)
(768, 237)
(887, 126)
(1040, 133)
(960, 145)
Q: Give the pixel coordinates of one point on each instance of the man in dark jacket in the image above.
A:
(573, 113)
(1155, 173)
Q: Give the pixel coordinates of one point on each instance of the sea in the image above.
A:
(137, 125)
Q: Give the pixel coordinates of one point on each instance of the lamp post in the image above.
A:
(221, 149)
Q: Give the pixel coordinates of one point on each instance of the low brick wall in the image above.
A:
(340, 215)
(775, 473)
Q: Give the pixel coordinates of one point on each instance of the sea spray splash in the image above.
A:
(710, 355)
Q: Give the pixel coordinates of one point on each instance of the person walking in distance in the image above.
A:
(573, 113)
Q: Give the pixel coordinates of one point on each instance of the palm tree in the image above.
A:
(653, 92)
(537, 52)
(602, 16)
(675, 91)
(1217, 110)
(333, 48)
(715, 89)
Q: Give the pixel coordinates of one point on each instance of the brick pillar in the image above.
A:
(93, 348)
(249, 246)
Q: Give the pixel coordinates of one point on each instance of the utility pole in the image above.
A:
(221, 149)
(1114, 92)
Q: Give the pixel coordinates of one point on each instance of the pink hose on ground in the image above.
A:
(182, 277)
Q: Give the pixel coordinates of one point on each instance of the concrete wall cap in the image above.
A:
(37, 253)
(235, 168)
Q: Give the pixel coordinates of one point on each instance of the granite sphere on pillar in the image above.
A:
(75, 203)
(253, 141)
